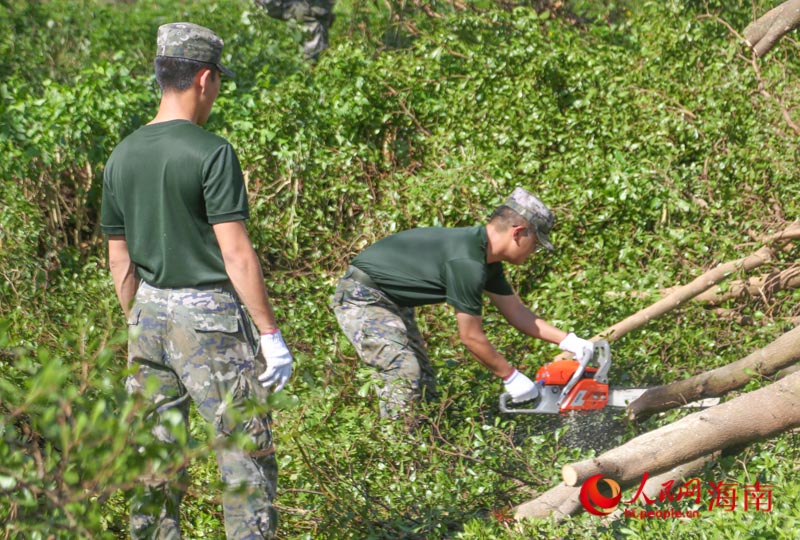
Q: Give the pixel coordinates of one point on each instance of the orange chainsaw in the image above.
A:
(569, 385)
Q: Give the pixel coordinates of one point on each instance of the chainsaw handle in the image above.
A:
(504, 408)
(574, 379)
(504, 397)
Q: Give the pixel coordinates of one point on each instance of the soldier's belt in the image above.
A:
(361, 277)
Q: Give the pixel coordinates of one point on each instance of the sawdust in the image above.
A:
(593, 430)
(598, 430)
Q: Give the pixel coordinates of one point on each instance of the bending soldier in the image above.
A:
(375, 299)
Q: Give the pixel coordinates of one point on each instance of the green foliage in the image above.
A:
(641, 124)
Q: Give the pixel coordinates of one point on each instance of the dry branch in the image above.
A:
(680, 295)
(792, 232)
(779, 354)
(765, 285)
(683, 294)
(756, 415)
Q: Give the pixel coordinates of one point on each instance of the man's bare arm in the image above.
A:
(470, 331)
(123, 272)
(244, 270)
(524, 320)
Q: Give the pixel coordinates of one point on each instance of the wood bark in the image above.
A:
(747, 418)
(766, 285)
(787, 371)
(680, 473)
(791, 232)
(779, 354)
(766, 31)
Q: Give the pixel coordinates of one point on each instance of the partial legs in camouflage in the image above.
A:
(316, 16)
(199, 344)
(386, 337)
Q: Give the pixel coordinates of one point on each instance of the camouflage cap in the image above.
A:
(191, 41)
(534, 210)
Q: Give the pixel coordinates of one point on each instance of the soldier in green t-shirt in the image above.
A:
(191, 286)
(375, 299)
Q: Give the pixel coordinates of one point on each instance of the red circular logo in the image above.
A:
(595, 502)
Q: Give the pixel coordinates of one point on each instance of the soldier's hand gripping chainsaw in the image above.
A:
(569, 385)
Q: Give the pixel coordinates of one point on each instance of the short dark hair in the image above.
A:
(178, 73)
(504, 217)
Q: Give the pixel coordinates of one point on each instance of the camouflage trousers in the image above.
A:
(199, 344)
(387, 338)
(316, 16)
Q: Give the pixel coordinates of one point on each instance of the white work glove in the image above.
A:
(581, 348)
(279, 362)
(520, 387)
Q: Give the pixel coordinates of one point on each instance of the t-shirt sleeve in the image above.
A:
(223, 187)
(112, 220)
(464, 283)
(496, 282)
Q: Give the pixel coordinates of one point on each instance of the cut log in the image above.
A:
(563, 501)
(779, 354)
(765, 32)
(747, 418)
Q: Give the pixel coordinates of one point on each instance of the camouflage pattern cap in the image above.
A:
(191, 41)
(534, 210)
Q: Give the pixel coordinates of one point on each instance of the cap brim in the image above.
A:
(544, 240)
(225, 71)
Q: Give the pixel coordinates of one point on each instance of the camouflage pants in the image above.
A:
(200, 344)
(385, 337)
(315, 15)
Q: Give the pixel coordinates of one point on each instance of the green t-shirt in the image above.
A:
(435, 265)
(164, 187)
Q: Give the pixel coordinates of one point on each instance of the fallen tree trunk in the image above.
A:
(684, 293)
(747, 418)
(563, 501)
(752, 287)
(779, 354)
(765, 32)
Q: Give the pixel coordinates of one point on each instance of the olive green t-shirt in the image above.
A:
(164, 187)
(434, 265)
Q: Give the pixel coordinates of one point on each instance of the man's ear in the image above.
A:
(518, 231)
(204, 77)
